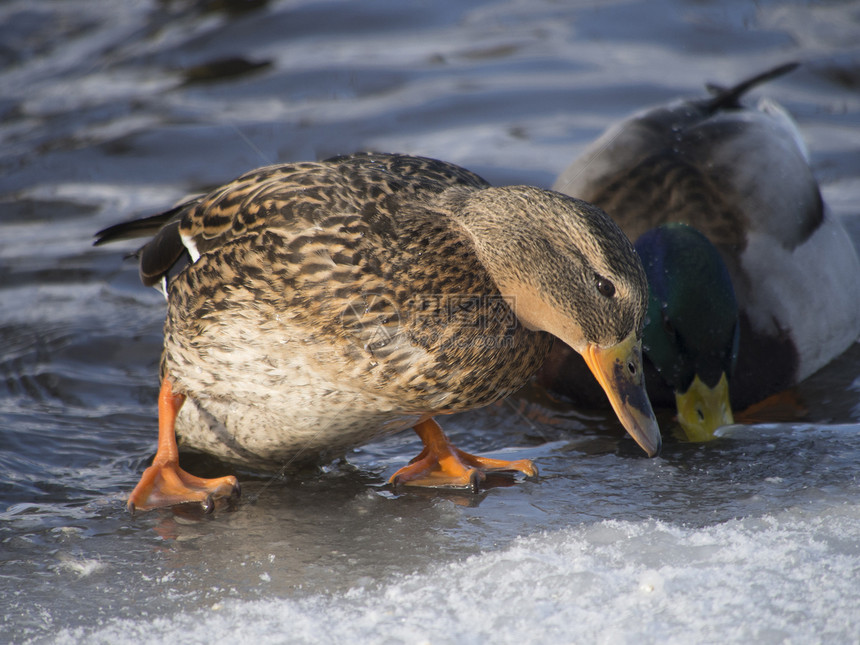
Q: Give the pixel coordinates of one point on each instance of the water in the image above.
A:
(110, 110)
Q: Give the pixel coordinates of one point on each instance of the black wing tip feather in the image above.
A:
(163, 251)
(727, 98)
(159, 255)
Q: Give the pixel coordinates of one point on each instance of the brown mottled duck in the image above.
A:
(324, 305)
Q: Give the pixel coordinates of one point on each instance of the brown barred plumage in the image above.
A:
(330, 303)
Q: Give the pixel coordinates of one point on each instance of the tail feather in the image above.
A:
(142, 227)
(727, 98)
(165, 248)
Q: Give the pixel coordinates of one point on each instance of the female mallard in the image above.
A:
(789, 284)
(328, 304)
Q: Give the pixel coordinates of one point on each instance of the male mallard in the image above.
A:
(741, 177)
(327, 304)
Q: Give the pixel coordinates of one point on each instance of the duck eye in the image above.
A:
(605, 287)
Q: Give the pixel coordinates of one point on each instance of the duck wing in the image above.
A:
(705, 162)
(295, 195)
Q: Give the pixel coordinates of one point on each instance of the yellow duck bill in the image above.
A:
(618, 369)
(702, 409)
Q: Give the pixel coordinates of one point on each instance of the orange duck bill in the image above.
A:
(618, 369)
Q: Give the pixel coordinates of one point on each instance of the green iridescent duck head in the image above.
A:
(691, 328)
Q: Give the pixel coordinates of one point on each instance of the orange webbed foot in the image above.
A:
(440, 464)
(164, 483)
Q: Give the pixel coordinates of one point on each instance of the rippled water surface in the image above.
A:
(110, 110)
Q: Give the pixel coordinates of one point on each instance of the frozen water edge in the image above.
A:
(790, 577)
